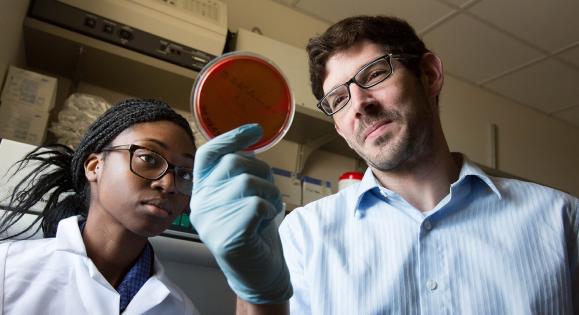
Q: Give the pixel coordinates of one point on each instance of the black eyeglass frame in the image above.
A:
(134, 147)
(388, 57)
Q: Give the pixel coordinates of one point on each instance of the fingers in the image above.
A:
(243, 187)
(255, 190)
(247, 202)
(234, 164)
(232, 141)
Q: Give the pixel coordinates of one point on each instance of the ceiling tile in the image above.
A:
(548, 86)
(551, 25)
(476, 52)
(286, 2)
(570, 115)
(571, 55)
(456, 3)
(333, 11)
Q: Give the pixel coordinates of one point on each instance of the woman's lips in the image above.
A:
(157, 208)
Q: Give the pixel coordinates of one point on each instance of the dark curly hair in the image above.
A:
(392, 34)
(59, 171)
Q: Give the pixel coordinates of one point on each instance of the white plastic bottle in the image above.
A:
(349, 178)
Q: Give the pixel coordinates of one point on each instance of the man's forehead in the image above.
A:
(344, 64)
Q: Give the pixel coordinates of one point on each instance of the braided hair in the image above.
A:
(59, 170)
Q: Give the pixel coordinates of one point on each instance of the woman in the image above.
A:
(129, 178)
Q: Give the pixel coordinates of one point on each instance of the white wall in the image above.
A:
(530, 144)
(12, 14)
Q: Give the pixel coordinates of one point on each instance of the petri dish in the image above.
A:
(239, 88)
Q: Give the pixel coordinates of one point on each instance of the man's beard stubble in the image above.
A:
(415, 143)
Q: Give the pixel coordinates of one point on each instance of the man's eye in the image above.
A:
(374, 76)
(338, 100)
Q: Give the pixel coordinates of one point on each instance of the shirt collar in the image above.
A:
(369, 183)
(136, 277)
(471, 169)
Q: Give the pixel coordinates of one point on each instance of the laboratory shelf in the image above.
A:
(61, 52)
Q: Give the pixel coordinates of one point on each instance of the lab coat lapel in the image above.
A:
(97, 295)
(94, 290)
(153, 292)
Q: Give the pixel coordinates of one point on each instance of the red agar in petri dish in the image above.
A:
(240, 88)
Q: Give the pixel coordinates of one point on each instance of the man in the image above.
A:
(425, 232)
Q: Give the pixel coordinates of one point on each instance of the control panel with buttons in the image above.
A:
(121, 34)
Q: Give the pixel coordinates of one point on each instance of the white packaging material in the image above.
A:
(32, 90)
(11, 152)
(314, 189)
(21, 124)
(79, 111)
(290, 187)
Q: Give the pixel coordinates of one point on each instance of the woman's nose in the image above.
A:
(166, 183)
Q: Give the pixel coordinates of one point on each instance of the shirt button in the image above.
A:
(431, 285)
(427, 225)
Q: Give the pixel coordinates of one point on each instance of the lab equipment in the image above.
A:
(349, 178)
(240, 88)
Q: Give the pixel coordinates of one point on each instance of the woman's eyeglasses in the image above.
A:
(149, 164)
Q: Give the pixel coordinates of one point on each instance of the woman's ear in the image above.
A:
(433, 76)
(92, 167)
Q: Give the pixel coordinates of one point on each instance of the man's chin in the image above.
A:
(384, 158)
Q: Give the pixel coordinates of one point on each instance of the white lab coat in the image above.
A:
(55, 276)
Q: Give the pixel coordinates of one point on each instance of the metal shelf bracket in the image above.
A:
(306, 149)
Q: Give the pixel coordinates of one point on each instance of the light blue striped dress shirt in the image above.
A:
(492, 246)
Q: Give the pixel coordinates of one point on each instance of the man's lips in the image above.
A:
(375, 126)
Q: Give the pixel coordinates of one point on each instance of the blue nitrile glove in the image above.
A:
(233, 205)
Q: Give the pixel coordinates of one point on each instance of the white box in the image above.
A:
(293, 62)
(290, 187)
(21, 124)
(32, 90)
(314, 189)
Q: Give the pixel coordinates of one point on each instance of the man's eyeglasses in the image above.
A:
(371, 74)
(149, 164)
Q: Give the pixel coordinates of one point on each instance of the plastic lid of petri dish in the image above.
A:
(239, 88)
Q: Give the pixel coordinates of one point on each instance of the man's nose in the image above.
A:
(362, 100)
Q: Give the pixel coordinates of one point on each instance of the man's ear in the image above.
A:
(433, 76)
(92, 167)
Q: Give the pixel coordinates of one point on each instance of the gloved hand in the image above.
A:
(233, 205)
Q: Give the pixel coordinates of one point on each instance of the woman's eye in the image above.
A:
(149, 159)
(186, 175)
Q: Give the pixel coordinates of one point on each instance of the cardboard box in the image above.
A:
(290, 187)
(21, 124)
(31, 90)
(314, 189)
